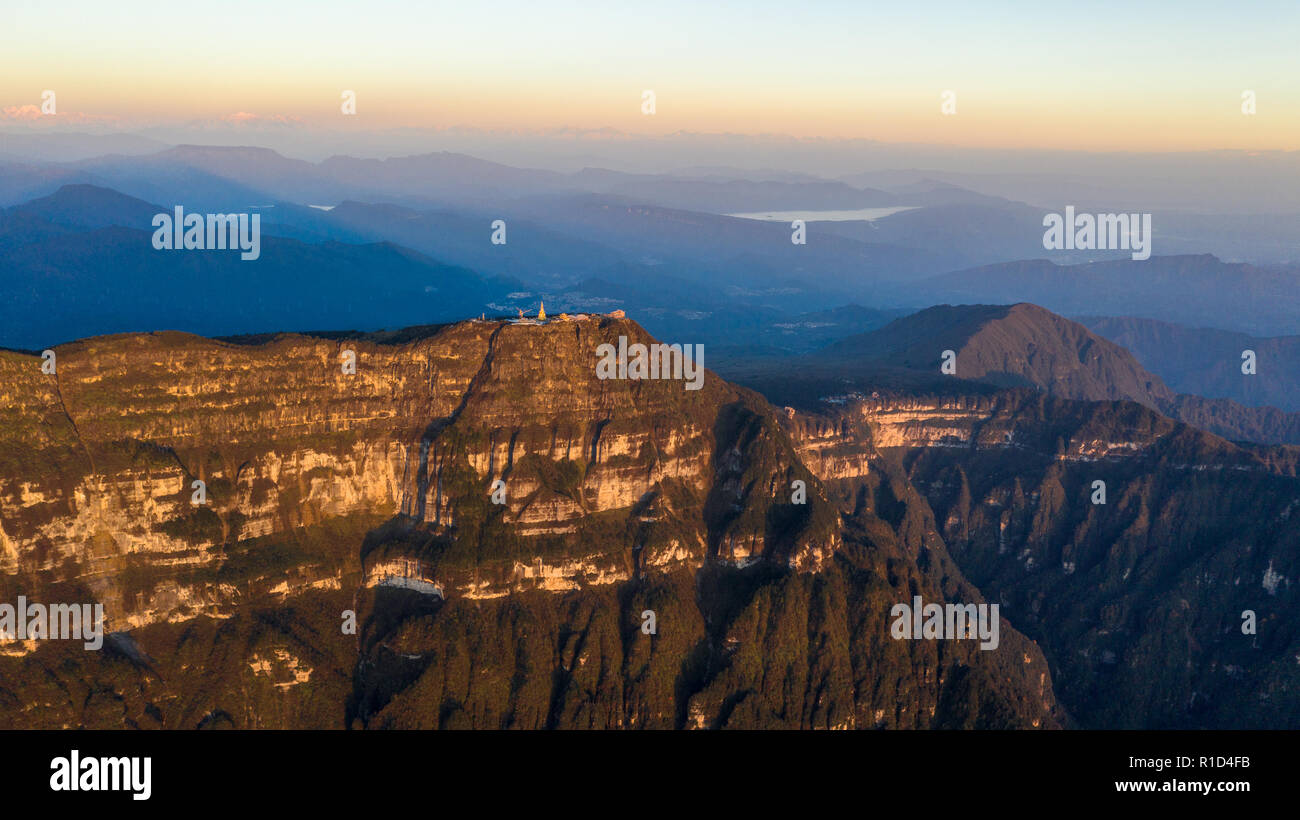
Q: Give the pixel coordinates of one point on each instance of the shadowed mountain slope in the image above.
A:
(1026, 345)
(1207, 362)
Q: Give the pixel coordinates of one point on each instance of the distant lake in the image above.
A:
(860, 214)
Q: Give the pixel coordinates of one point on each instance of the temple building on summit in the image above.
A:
(541, 318)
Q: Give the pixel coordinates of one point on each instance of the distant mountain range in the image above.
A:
(1207, 362)
(73, 268)
(952, 244)
(80, 262)
(1200, 291)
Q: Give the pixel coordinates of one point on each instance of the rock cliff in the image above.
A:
(501, 522)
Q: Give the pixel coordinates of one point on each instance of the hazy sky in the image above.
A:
(1098, 75)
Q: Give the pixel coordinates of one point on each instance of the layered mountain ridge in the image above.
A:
(329, 492)
(523, 544)
(1207, 362)
(1026, 345)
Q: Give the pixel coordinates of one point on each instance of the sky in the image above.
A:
(1103, 76)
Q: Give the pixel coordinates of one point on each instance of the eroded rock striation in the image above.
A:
(377, 493)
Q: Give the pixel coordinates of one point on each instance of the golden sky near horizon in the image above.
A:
(1115, 76)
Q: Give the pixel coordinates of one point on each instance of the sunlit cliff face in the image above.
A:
(485, 465)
